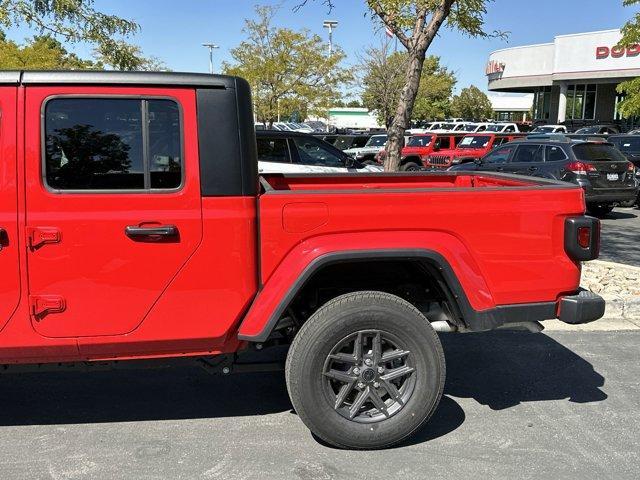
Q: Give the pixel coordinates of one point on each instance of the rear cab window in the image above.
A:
(112, 144)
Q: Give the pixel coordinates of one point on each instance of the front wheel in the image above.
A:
(365, 371)
(410, 167)
(599, 210)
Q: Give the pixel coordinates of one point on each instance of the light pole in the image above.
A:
(330, 24)
(210, 46)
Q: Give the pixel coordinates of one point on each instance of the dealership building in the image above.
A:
(573, 79)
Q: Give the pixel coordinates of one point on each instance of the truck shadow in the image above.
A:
(497, 369)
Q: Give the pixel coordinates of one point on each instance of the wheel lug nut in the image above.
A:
(360, 385)
(368, 362)
(380, 369)
(376, 384)
(356, 370)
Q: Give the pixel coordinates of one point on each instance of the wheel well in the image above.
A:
(417, 281)
(412, 158)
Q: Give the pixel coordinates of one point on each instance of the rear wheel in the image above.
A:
(599, 210)
(410, 167)
(365, 371)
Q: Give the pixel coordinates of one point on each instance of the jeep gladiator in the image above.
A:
(134, 225)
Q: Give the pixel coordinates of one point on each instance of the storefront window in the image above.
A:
(542, 103)
(581, 102)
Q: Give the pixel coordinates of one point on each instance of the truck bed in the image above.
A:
(401, 181)
(501, 234)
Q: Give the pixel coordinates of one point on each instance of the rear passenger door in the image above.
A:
(274, 155)
(113, 205)
(528, 159)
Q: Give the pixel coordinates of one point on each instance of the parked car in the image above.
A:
(127, 239)
(629, 145)
(549, 129)
(598, 130)
(503, 128)
(419, 147)
(327, 137)
(347, 142)
(368, 152)
(467, 149)
(604, 174)
(293, 152)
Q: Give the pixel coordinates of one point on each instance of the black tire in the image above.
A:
(628, 203)
(599, 210)
(410, 167)
(314, 391)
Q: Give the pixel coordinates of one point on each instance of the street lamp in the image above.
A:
(210, 46)
(330, 24)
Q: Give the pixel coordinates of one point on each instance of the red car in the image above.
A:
(471, 147)
(134, 226)
(419, 146)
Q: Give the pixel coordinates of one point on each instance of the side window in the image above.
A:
(359, 142)
(312, 152)
(443, 143)
(510, 128)
(555, 154)
(499, 155)
(528, 154)
(456, 140)
(100, 144)
(273, 150)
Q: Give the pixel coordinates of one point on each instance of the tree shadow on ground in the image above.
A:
(499, 369)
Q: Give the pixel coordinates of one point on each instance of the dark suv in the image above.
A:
(629, 145)
(598, 167)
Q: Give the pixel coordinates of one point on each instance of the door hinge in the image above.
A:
(41, 305)
(38, 236)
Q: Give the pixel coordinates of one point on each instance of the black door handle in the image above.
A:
(157, 233)
(532, 168)
(499, 169)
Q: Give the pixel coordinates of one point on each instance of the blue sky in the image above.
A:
(174, 30)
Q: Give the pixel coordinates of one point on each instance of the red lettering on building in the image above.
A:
(617, 52)
(494, 67)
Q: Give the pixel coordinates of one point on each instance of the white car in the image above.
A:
(370, 149)
(549, 129)
(502, 128)
(473, 127)
(291, 152)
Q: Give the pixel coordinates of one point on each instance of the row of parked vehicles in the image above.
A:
(608, 169)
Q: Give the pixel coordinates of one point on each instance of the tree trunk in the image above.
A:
(417, 47)
(402, 119)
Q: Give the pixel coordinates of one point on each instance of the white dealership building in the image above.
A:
(573, 79)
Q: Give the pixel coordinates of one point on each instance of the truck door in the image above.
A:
(113, 205)
(10, 277)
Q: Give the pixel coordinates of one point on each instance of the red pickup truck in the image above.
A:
(134, 226)
(472, 147)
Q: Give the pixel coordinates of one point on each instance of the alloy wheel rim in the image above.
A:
(368, 376)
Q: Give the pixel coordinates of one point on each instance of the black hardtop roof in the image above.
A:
(103, 77)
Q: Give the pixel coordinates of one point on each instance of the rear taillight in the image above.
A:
(581, 168)
(582, 238)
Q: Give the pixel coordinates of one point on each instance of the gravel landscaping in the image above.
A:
(618, 284)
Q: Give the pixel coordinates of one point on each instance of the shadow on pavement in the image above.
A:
(619, 215)
(498, 369)
(502, 369)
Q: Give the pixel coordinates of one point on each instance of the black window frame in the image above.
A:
(547, 149)
(524, 145)
(287, 144)
(143, 99)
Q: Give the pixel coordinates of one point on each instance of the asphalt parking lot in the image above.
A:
(516, 405)
(621, 236)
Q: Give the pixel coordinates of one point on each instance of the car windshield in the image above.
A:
(343, 142)
(469, 127)
(626, 144)
(377, 141)
(419, 141)
(494, 128)
(543, 130)
(447, 126)
(475, 141)
(588, 130)
(597, 152)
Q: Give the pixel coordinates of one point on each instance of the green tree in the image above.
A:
(472, 103)
(287, 69)
(415, 23)
(75, 21)
(630, 106)
(40, 52)
(383, 81)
